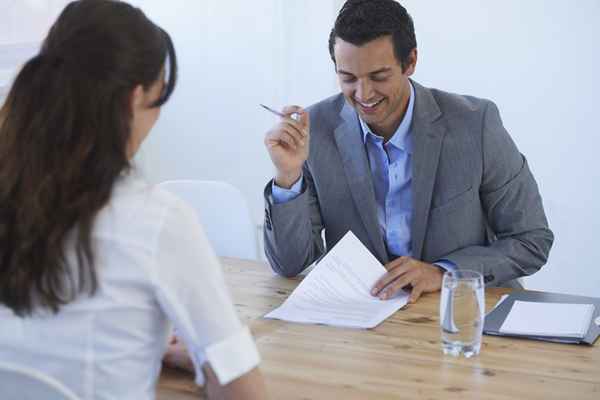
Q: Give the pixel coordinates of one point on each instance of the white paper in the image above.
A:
(548, 319)
(337, 291)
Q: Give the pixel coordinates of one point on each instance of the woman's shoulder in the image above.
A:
(137, 206)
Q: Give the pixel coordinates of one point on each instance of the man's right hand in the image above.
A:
(288, 144)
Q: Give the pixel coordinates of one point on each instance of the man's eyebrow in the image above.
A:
(378, 71)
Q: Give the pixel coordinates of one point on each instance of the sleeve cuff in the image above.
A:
(230, 358)
(281, 195)
(446, 265)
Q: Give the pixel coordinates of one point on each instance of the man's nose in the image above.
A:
(364, 90)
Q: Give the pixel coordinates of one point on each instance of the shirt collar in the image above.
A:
(401, 138)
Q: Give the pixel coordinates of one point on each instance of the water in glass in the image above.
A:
(462, 307)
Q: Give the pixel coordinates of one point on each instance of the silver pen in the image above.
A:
(295, 116)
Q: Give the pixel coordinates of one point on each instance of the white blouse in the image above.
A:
(154, 265)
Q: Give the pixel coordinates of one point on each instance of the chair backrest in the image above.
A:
(22, 383)
(224, 214)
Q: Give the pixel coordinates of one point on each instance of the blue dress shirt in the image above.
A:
(391, 169)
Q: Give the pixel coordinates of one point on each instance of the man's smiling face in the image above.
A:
(373, 82)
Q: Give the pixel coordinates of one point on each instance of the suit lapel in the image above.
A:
(427, 145)
(348, 137)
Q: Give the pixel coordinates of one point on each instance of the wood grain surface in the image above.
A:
(399, 359)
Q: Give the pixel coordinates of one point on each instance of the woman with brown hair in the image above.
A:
(94, 262)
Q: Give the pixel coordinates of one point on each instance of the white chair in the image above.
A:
(21, 383)
(224, 214)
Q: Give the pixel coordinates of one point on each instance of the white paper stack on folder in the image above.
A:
(548, 319)
(337, 291)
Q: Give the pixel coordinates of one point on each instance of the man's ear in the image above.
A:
(411, 65)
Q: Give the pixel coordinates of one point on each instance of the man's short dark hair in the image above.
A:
(361, 21)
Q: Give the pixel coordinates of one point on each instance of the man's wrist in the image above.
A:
(445, 265)
(286, 181)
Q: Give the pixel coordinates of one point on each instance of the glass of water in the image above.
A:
(462, 307)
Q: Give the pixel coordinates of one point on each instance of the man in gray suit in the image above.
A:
(427, 180)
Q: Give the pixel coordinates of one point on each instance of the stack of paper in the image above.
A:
(548, 319)
(337, 291)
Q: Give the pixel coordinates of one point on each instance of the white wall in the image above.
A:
(537, 59)
(25, 21)
(22, 25)
(234, 55)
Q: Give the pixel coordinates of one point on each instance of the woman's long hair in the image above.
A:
(64, 132)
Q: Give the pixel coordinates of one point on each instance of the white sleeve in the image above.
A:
(191, 290)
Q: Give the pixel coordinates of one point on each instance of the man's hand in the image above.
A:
(288, 144)
(404, 271)
(177, 356)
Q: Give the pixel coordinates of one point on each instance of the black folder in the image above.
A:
(495, 319)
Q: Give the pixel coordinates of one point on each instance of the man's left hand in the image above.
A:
(404, 271)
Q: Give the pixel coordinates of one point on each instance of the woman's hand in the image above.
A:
(177, 356)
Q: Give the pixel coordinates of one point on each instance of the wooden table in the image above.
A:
(400, 359)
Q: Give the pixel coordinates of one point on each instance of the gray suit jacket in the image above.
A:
(475, 201)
